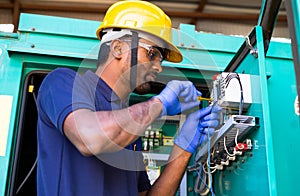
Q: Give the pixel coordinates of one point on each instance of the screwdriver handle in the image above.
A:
(204, 99)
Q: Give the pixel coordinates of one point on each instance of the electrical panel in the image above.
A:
(231, 91)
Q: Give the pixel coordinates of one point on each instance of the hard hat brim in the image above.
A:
(171, 52)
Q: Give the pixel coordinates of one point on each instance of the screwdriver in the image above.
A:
(200, 98)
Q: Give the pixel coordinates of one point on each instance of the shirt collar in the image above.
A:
(106, 91)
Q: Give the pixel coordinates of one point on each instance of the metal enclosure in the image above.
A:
(44, 43)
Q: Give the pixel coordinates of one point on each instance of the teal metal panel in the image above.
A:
(280, 49)
(270, 168)
(200, 50)
(4, 35)
(283, 87)
(57, 25)
(10, 79)
(187, 37)
(63, 37)
(285, 124)
(58, 45)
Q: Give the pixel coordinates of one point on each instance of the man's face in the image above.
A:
(149, 65)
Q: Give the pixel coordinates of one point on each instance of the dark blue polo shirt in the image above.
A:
(62, 170)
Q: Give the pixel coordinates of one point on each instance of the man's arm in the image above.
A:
(192, 134)
(169, 180)
(107, 131)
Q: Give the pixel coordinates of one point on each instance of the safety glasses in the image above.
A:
(153, 52)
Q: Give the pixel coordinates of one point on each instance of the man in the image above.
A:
(88, 136)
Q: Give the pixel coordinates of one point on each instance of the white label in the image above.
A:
(5, 111)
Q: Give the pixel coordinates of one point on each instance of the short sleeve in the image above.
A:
(62, 92)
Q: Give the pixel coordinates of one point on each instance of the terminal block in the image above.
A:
(236, 127)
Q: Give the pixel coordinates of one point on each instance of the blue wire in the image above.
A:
(208, 158)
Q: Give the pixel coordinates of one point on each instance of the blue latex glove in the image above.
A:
(196, 127)
(178, 96)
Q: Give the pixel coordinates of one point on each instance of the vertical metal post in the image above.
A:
(266, 112)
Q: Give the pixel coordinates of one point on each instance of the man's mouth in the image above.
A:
(150, 77)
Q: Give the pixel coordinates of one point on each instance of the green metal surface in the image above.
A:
(269, 170)
(251, 171)
(45, 43)
(266, 112)
(10, 78)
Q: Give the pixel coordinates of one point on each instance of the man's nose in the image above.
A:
(157, 66)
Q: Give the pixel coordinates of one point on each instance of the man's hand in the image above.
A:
(196, 127)
(178, 96)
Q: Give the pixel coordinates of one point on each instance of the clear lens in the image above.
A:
(153, 52)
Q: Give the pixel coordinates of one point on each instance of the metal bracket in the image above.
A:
(253, 50)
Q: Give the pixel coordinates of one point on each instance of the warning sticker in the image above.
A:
(5, 111)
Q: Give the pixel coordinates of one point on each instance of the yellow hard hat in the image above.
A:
(143, 17)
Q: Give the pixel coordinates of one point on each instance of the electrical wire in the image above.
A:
(208, 162)
(206, 187)
(30, 90)
(27, 176)
(228, 78)
(211, 171)
(235, 140)
(225, 148)
(203, 188)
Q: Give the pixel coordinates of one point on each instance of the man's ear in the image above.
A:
(116, 48)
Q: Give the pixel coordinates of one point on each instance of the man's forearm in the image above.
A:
(169, 180)
(108, 131)
(136, 118)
